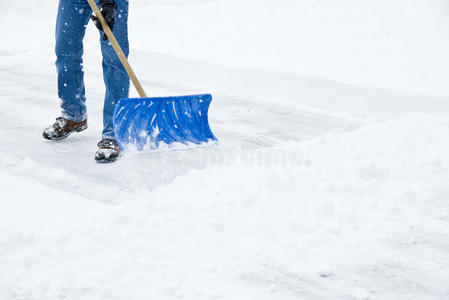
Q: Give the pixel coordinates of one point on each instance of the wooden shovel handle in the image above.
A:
(118, 49)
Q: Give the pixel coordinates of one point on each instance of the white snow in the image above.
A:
(399, 44)
(317, 190)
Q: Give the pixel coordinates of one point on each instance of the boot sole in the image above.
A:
(78, 129)
(107, 160)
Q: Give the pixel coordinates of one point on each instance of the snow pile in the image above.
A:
(352, 215)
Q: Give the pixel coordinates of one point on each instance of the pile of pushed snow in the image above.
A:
(381, 166)
(348, 215)
(357, 202)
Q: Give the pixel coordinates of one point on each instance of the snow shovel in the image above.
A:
(149, 123)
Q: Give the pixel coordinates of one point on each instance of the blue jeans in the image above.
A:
(73, 17)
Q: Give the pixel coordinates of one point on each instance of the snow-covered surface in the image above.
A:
(317, 190)
(398, 44)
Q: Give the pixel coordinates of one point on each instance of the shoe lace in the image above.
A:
(107, 144)
(60, 123)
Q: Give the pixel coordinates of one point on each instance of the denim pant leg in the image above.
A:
(115, 77)
(73, 16)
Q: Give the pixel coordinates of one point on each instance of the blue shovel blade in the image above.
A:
(163, 120)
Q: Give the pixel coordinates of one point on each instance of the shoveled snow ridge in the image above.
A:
(354, 215)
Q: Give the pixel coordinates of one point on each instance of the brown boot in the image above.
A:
(108, 151)
(62, 128)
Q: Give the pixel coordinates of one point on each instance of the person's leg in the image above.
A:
(115, 77)
(73, 16)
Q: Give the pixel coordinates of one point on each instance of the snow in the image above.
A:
(318, 189)
(401, 45)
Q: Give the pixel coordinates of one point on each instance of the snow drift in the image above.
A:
(348, 217)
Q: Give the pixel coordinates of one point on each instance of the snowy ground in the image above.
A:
(330, 180)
